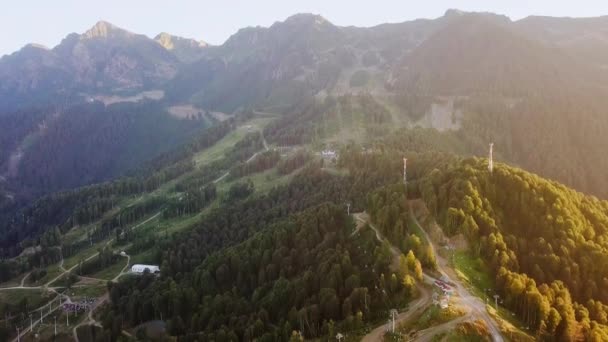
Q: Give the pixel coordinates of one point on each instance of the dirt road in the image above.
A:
(477, 306)
(415, 307)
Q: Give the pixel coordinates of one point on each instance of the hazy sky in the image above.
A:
(47, 22)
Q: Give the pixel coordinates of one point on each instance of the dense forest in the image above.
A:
(546, 244)
(210, 252)
(90, 143)
(305, 273)
(537, 134)
(86, 204)
(543, 242)
(388, 209)
(254, 286)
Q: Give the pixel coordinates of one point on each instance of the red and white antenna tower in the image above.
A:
(491, 160)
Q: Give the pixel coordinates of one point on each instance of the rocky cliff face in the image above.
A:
(185, 49)
(109, 58)
(104, 59)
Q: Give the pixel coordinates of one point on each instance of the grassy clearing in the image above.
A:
(30, 299)
(13, 282)
(473, 271)
(109, 272)
(175, 225)
(217, 151)
(476, 274)
(262, 181)
(83, 255)
(160, 227)
(88, 291)
(469, 332)
(60, 282)
(147, 228)
(45, 332)
(508, 325)
(51, 272)
(75, 234)
(143, 257)
(414, 228)
(432, 316)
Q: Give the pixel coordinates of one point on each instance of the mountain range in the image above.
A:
(536, 86)
(266, 179)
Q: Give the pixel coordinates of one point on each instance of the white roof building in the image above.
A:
(328, 153)
(139, 268)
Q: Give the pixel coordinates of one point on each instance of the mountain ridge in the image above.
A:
(435, 73)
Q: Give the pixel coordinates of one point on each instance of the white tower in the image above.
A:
(491, 161)
(393, 314)
(404, 171)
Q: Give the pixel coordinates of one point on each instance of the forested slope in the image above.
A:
(62, 211)
(305, 273)
(546, 244)
(93, 143)
(267, 265)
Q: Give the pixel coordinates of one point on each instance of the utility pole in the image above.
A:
(55, 325)
(491, 159)
(18, 335)
(393, 314)
(404, 171)
(496, 301)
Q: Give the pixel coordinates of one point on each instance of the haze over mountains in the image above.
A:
(536, 86)
(264, 178)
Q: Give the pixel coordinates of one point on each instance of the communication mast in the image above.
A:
(491, 160)
(393, 314)
(405, 171)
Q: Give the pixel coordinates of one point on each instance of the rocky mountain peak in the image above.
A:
(453, 12)
(307, 19)
(165, 40)
(104, 29)
(36, 46)
(457, 14)
(170, 42)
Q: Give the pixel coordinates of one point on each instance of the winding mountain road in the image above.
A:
(477, 306)
(414, 308)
